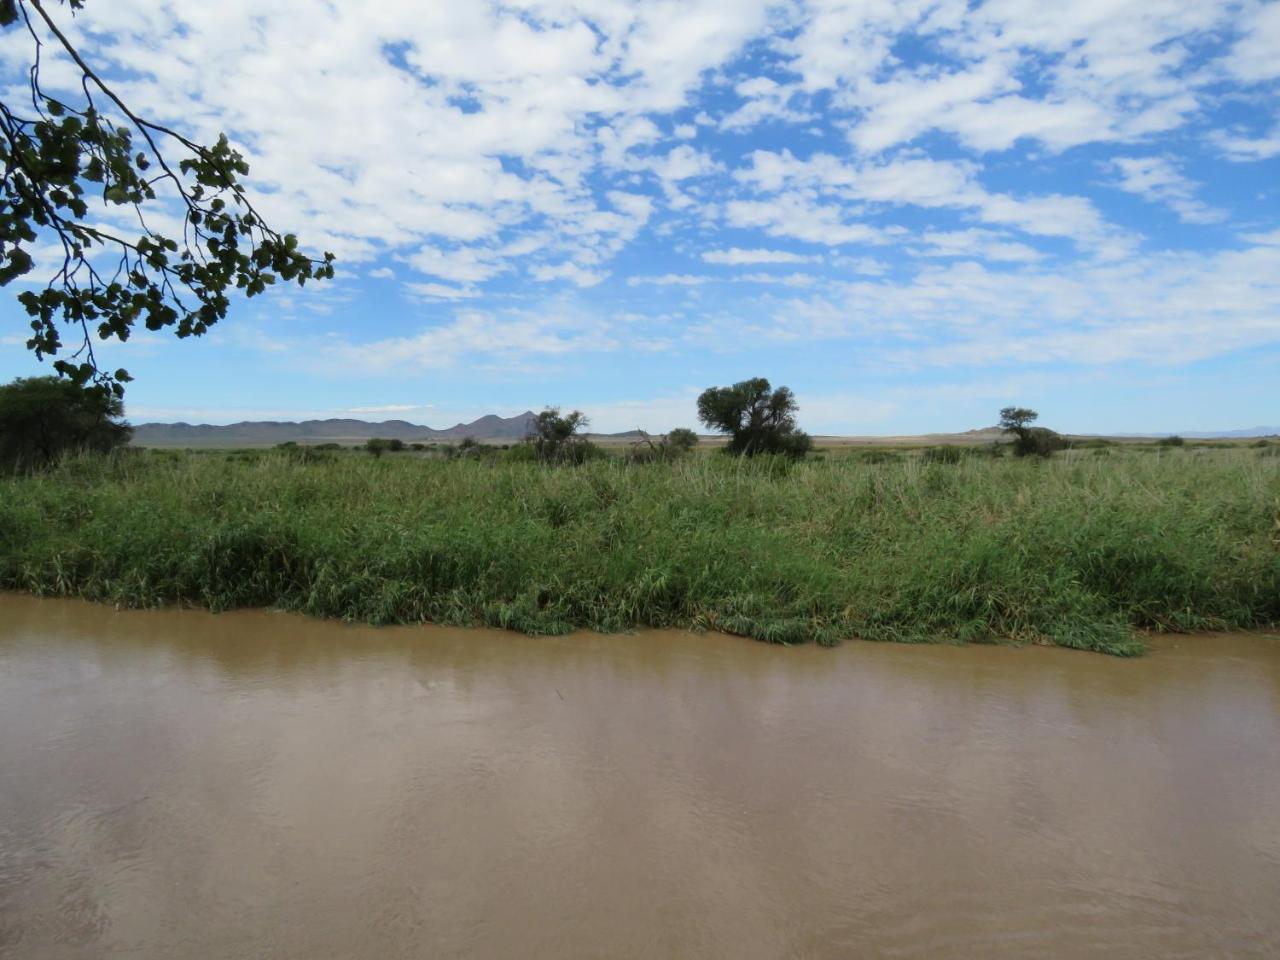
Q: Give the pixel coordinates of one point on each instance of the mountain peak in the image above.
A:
(268, 433)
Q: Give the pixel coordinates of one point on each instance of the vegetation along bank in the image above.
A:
(1082, 549)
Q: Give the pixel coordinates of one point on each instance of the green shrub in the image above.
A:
(1078, 552)
(557, 438)
(1038, 442)
(45, 418)
(948, 454)
(878, 456)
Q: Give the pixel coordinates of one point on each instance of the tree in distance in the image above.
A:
(558, 438)
(1029, 441)
(1017, 419)
(68, 162)
(681, 439)
(42, 418)
(672, 446)
(759, 420)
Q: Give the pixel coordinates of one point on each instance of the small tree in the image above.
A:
(557, 438)
(681, 439)
(42, 418)
(377, 445)
(1017, 420)
(757, 418)
(674, 445)
(1028, 440)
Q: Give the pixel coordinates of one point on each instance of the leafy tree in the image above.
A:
(757, 419)
(68, 162)
(670, 447)
(558, 438)
(378, 445)
(681, 439)
(42, 418)
(1017, 419)
(1028, 440)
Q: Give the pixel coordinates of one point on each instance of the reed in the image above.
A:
(1080, 551)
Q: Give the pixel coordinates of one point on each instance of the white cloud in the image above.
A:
(736, 256)
(1242, 148)
(394, 125)
(474, 337)
(463, 265)
(578, 275)
(387, 408)
(680, 163)
(915, 181)
(1255, 58)
(981, 244)
(798, 216)
(862, 266)
(1158, 180)
(766, 100)
(474, 151)
(1060, 75)
(668, 280)
(1268, 239)
(778, 279)
(440, 291)
(1167, 308)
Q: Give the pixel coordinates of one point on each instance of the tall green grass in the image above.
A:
(1079, 551)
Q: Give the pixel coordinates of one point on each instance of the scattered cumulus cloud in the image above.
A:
(930, 182)
(736, 256)
(1158, 180)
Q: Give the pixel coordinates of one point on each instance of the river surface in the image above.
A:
(259, 785)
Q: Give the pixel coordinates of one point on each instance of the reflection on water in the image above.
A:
(180, 784)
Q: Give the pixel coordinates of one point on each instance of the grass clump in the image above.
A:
(1080, 552)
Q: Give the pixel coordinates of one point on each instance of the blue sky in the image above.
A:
(911, 213)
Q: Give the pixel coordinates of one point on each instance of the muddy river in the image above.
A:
(185, 785)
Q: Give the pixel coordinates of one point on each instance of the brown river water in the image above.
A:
(260, 785)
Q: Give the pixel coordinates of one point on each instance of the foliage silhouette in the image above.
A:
(759, 420)
(1029, 441)
(556, 438)
(43, 418)
(67, 164)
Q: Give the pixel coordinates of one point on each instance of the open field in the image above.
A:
(1083, 550)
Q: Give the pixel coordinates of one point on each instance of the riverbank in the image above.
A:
(1082, 551)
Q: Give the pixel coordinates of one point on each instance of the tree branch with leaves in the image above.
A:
(65, 159)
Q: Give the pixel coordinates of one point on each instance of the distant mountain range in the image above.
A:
(1222, 434)
(270, 432)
